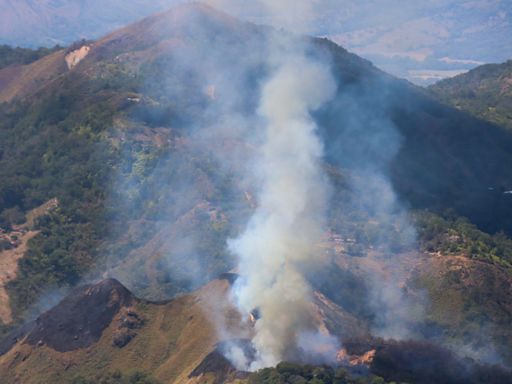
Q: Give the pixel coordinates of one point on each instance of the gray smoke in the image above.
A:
(278, 245)
(276, 154)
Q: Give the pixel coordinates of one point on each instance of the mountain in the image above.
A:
(422, 42)
(100, 328)
(47, 23)
(485, 92)
(101, 332)
(135, 137)
(455, 179)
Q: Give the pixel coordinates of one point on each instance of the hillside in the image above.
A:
(22, 56)
(102, 328)
(485, 92)
(103, 332)
(139, 143)
(454, 146)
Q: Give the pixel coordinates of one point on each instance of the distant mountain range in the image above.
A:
(421, 41)
(429, 40)
(46, 23)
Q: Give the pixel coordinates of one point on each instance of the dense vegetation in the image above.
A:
(66, 145)
(290, 373)
(394, 362)
(485, 92)
(52, 148)
(21, 56)
(117, 378)
(454, 235)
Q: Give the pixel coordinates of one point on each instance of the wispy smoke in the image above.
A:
(259, 97)
(248, 112)
(278, 245)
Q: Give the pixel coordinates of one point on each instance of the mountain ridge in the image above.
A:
(106, 318)
(485, 92)
(177, 342)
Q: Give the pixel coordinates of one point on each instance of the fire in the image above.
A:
(354, 360)
(254, 316)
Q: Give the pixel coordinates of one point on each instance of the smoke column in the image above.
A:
(278, 245)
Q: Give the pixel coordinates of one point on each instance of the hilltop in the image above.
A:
(102, 327)
(485, 92)
(101, 331)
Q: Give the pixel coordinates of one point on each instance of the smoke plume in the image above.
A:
(247, 125)
(278, 245)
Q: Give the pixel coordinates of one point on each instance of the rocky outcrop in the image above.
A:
(73, 58)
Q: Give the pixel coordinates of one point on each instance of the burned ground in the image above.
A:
(425, 363)
(79, 320)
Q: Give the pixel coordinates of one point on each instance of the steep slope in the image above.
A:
(102, 328)
(445, 160)
(464, 293)
(18, 56)
(16, 81)
(142, 42)
(8, 265)
(132, 141)
(118, 332)
(485, 92)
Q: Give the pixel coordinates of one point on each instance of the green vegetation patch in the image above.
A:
(453, 235)
(22, 56)
(291, 373)
(117, 377)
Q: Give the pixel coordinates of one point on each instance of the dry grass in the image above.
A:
(176, 337)
(20, 81)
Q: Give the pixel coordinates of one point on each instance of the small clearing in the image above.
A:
(18, 238)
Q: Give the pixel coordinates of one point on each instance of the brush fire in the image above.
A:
(366, 359)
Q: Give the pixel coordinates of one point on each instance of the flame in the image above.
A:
(354, 360)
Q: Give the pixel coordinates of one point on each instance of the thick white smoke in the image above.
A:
(279, 244)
